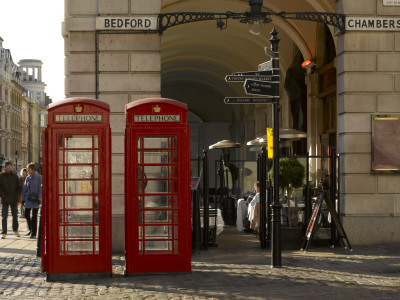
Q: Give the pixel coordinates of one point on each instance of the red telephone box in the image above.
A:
(157, 187)
(76, 211)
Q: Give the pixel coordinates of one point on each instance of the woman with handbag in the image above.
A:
(23, 174)
(32, 196)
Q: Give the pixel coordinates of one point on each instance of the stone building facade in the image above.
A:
(356, 76)
(11, 94)
(22, 100)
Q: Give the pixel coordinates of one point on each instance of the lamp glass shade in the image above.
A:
(307, 64)
(224, 144)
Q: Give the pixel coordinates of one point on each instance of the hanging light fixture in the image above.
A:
(256, 18)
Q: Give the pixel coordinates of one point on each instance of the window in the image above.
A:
(158, 194)
(78, 194)
(42, 121)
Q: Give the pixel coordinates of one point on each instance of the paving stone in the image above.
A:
(229, 271)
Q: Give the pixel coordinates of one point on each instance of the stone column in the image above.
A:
(314, 123)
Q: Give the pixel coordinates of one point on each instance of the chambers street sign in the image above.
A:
(359, 23)
(127, 23)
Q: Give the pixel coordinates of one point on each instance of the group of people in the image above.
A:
(26, 191)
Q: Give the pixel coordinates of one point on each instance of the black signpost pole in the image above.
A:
(276, 259)
(263, 193)
(206, 213)
(307, 194)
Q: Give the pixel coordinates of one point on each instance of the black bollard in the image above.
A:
(39, 236)
(196, 238)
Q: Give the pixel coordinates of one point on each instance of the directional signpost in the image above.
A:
(255, 73)
(265, 66)
(242, 78)
(257, 87)
(271, 53)
(265, 82)
(249, 100)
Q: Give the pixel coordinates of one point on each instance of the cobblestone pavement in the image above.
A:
(236, 269)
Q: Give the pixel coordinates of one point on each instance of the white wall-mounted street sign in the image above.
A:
(372, 23)
(127, 23)
(391, 2)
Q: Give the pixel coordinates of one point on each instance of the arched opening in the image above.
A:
(196, 57)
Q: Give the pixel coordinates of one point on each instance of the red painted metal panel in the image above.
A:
(77, 177)
(157, 187)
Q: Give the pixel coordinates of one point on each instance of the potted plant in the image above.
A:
(291, 175)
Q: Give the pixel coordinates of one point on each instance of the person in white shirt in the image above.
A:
(253, 210)
(242, 206)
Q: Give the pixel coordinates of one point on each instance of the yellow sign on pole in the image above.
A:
(270, 140)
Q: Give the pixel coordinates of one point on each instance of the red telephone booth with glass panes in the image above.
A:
(157, 187)
(76, 211)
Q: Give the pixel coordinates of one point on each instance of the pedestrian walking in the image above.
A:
(32, 196)
(10, 190)
(23, 174)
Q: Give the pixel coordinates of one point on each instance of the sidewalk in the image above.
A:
(236, 269)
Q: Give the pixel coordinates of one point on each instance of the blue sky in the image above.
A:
(32, 30)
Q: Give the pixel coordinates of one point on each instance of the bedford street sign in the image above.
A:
(127, 23)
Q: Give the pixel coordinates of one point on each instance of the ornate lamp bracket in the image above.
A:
(168, 20)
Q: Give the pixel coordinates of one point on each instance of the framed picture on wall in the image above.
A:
(386, 143)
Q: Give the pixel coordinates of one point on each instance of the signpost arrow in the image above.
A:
(269, 52)
(243, 78)
(248, 100)
(265, 66)
(257, 87)
(256, 73)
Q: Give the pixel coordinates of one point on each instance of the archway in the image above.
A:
(196, 57)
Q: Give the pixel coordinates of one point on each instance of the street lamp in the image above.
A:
(224, 145)
(16, 160)
(255, 18)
